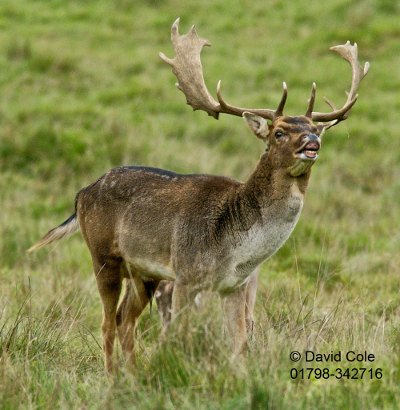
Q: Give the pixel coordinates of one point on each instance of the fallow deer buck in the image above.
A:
(201, 231)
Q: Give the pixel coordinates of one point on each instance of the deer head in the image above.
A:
(292, 142)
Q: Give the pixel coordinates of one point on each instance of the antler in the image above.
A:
(187, 68)
(349, 53)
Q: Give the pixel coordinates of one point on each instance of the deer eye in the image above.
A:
(278, 134)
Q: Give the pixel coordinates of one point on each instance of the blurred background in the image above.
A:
(83, 90)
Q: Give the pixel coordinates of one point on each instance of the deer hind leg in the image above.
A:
(109, 285)
(137, 295)
(233, 306)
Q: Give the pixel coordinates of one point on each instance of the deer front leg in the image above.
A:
(163, 298)
(182, 299)
(234, 307)
(251, 291)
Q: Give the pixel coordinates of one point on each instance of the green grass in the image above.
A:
(82, 90)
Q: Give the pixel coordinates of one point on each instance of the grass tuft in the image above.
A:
(83, 90)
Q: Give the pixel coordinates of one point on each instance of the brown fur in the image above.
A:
(163, 297)
(201, 231)
(145, 225)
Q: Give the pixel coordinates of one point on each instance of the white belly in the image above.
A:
(149, 269)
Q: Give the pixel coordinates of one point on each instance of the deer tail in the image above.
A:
(64, 230)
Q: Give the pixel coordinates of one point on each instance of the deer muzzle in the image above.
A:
(309, 150)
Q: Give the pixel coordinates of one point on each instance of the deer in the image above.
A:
(144, 224)
(163, 297)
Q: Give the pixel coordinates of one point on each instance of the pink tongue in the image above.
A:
(311, 154)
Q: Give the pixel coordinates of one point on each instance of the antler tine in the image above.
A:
(186, 66)
(349, 53)
(312, 100)
(281, 106)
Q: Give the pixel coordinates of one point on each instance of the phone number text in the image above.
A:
(325, 373)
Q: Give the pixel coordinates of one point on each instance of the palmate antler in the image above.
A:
(349, 53)
(186, 66)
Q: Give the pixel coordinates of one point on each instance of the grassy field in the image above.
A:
(83, 90)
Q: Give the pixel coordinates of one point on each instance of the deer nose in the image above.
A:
(312, 137)
(311, 142)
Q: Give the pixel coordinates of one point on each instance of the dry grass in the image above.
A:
(83, 90)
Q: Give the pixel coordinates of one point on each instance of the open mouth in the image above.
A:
(310, 150)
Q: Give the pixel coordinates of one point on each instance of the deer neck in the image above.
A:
(272, 188)
(267, 206)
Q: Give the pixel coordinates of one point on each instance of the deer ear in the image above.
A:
(258, 125)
